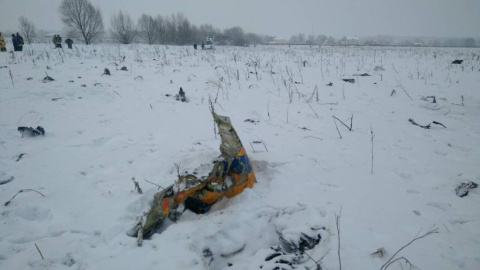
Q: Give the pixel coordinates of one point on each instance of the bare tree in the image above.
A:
(123, 28)
(82, 19)
(149, 29)
(28, 29)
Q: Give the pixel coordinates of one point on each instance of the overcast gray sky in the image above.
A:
(281, 18)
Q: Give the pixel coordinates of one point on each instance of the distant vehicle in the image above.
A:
(209, 43)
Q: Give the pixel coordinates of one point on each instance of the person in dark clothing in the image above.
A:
(19, 42)
(14, 42)
(203, 45)
(58, 42)
(69, 42)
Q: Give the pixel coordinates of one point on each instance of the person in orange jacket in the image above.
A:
(2, 44)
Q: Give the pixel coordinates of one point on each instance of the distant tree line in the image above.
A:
(84, 21)
(176, 29)
(382, 40)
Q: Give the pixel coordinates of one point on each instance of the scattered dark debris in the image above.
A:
(55, 99)
(6, 181)
(251, 121)
(304, 128)
(457, 62)
(176, 70)
(257, 142)
(71, 81)
(362, 75)
(96, 84)
(83, 85)
(464, 188)
(207, 252)
(79, 97)
(230, 264)
(379, 68)
(427, 126)
(29, 78)
(349, 80)
(414, 123)
(181, 96)
(138, 189)
(49, 68)
(31, 132)
(48, 79)
(79, 77)
(106, 72)
(3, 67)
(374, 83)
(271, 256)
(297, 82)
(124, 68)
(393, 92)
(251, 72)
(434, 100)
(329, 84)
(168, 95)
(283, 258)
(20, 156)
(282, 261)
(305, 242)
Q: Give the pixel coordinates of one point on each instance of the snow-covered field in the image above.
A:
(101, 131)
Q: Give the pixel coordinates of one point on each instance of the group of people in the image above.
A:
(57, 41)
(17, 41)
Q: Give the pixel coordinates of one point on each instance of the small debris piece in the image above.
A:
(271, 256)
(124, 68)
(106, 72)
(362, 75)
(137, 186)
(251, 121)
(71, 81)
(83, 85)
(379, 252)
(414, 123)
(6, 181)
(29, 78)
(138, 78)
(20, 156)
(31, 132)
(379, 68)
(349, 80)
(48, 79)
(457, 62)
(438, 123)
(329, 84)
(55, 99)
(464, 188)
(434, 99)
(181, 96)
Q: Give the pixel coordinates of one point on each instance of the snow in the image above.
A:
(118, 127)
